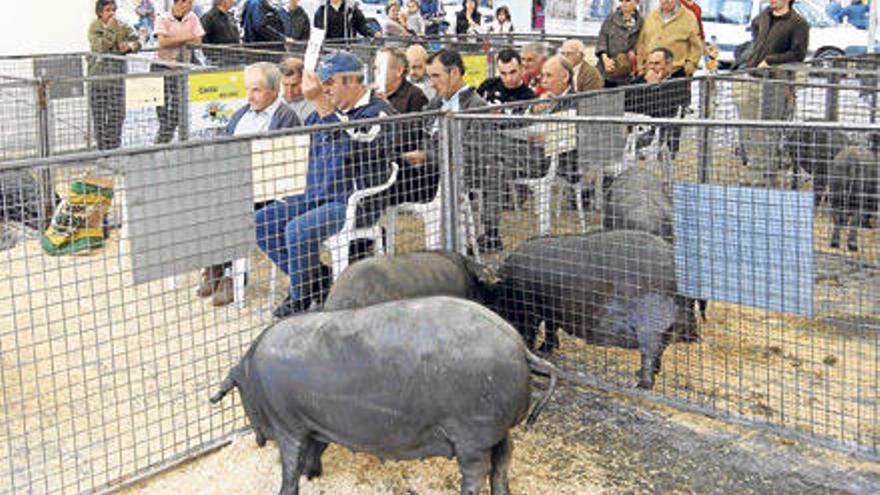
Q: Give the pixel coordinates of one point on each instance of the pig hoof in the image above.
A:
(546, 348)
(852, 247)
(835, 243)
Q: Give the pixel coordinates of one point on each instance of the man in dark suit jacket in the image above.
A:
(264, 112)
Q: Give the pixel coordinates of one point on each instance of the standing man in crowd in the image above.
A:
(220, 29)
(107, 98)
(343, 19)
(779, 36)
(260, 22)
(417, 58)
(219, 25)
(673, 27)
(533, 57)
(296, 22)
(291, 85)
(586, 77)
(509, 85)
(264, 112)
(290, 232)
(174, 30)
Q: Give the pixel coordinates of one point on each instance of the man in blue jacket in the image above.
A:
(261, 22)
(265, 111)
(290, 232)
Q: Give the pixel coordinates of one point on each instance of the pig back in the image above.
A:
(573, 280)
(411, 275)
(396, 379)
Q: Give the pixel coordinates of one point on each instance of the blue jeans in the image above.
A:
(290, 232)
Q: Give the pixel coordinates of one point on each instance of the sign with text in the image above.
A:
(214, 97)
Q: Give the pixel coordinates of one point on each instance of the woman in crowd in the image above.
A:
(502, 23)
(467, 21)
(615, 49)
(107, 97)
(393, 25)
(415, 23)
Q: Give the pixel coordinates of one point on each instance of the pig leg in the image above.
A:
(551, 340)
(852, 241)
(653, 316)
(473, 466)
(501, 454)
(292, 450)
(312, 458)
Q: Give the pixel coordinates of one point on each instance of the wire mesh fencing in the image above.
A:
(159, 267)
(651, 236)
(735, 295)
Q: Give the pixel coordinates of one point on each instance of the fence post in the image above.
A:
(183, 127)
(704, 146)
(47, 189)
(448, 187)
(832, 96)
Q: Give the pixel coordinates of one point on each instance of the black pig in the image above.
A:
(418, 274)
(406, 379)
(610, 288)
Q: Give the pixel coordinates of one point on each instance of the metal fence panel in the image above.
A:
(790, 342)
(105, 378)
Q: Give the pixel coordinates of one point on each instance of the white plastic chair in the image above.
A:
(541, 190)
(338, 244)
(431, 214)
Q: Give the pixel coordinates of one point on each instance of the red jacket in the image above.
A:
(694, 7)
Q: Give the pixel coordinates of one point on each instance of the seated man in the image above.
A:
(585, 76)
(666, 93)
(290, 232)
(264, 112)
(446, 71)
(509, 85)
(533, 57)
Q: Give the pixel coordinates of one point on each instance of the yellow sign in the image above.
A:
(474, 69)
(216, 86)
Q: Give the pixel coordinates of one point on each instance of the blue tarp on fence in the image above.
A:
(745, 245)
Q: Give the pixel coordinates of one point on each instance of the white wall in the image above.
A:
(45, 26)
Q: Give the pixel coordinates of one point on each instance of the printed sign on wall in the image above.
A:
(474, 69)
(214, 97)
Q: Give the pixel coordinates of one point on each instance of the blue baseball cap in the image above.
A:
(339, 63)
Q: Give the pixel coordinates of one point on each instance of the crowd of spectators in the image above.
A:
(656, 54)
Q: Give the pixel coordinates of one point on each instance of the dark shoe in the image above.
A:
(489, 244)
(210, 278)
(289, 307)
(224, 292)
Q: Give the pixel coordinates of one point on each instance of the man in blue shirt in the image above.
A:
(290, 232)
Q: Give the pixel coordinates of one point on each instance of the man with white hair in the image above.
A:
(264, 112)
(586, 77)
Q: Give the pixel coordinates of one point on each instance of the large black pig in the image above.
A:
(611, 288)
(407, 379)
(418, 274)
